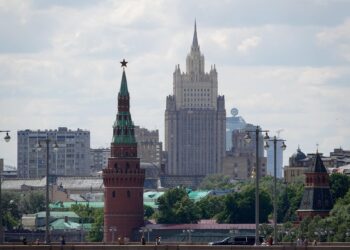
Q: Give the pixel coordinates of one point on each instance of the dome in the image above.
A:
(299, 155)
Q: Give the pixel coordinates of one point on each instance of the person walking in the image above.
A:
(143, 240)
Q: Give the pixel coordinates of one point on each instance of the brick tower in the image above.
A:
(123, 179)
(317, 199)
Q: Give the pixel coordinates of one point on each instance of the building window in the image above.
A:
(128, 193)
(113, 194)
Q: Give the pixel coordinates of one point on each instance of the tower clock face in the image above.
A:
(234, 112)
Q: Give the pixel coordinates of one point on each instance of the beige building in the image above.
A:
(149, 148)
(241, 167)
(299, 163)
(195, 123)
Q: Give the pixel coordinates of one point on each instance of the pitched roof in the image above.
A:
(318, 166)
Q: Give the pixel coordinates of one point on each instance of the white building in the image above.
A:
(72, 158)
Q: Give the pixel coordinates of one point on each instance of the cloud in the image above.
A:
(337, 38)
(280, 64)
(248, 44)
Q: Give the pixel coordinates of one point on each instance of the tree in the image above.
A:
(148, 211)
(216, 181)
(210, 206)
(32, 203)
(176, 207)
(339, 184)
(96, 232)
(240, 207)
(288, 202)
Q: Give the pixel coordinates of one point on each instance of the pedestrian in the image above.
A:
(270, 241)
(37, 242)
(24, 241)
(158, 240)
(298, 242)
(306, 242)
(314, 243)
(62, 240)
(143, 240)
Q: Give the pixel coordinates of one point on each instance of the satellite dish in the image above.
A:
(234, 112)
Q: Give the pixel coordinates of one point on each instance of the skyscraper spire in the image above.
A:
(195, 39)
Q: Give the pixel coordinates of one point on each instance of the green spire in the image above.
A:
(124, 86)
(123, 127)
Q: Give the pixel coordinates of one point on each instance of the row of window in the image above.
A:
(205, 94)
(205, 90)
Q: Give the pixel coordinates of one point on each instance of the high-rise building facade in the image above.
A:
(271, 159)
(233, 123)
(149, 147)
(123, 178)
(99, 158)
(195, 121)
(72, 158)
(240, 161)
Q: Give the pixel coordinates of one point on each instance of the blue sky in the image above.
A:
(283, 64)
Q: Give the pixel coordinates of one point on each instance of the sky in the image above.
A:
(284, 64)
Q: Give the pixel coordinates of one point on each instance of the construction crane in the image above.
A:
(278, 132)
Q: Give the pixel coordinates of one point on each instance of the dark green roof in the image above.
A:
(124, 86)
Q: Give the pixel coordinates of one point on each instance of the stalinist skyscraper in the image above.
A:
(195, 119)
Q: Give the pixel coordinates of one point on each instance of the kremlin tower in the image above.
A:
(317, 199)
(123, 179)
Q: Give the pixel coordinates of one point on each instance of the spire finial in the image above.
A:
(123, 63)
(195, 39)
(317, 148)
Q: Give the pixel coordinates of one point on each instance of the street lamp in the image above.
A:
(47, 222)
(189, 231)
(7, 138)
(248, 139)
(283, 147)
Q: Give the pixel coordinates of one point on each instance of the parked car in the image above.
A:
(237, 240)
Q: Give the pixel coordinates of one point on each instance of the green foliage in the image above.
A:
(176, 207)
(339, 184)
(240, 207)
(288, 201)
(96, 232)
(84, 212)
(91, 215)
(33, 202)
(148, 211)
(210, 206)
(216, 181)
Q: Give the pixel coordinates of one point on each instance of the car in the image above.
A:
(237, 240)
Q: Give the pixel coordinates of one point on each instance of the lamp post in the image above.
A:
(283, 147)
(47, 216)
(7, 138)
(189, 231)
(248, 139)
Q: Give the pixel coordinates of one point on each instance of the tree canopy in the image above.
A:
(176, 207)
